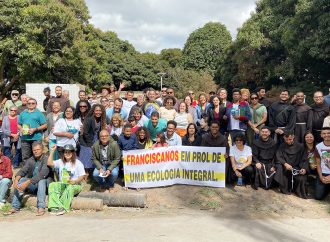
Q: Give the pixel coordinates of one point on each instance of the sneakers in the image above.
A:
(57, 211)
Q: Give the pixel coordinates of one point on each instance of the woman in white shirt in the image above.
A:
(241, 160)
(66, 130)
(71, 172)
(182, 118)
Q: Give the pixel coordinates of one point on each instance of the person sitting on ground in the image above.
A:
(71, 172)
(143, 138)
(106, 157)
(263, 155)
(172, 138)
(32, 178)
(241, 160)
(6, 174)
(292, 166)
(127, 140)
(192, 138)
(322, 187)
(160, 141)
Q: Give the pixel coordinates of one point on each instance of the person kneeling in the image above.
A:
(241, 160)
(71, 172)
(106, 156)
(291, 166)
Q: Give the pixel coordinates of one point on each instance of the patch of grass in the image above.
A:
(196, 202)
(206, 191)
(212, 204)
(6, 208)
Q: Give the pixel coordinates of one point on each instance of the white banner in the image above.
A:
(191, 165)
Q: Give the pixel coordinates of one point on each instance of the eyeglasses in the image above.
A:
(254, 98)
(31, 103)
(83, 106)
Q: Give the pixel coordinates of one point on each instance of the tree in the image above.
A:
(205, 47)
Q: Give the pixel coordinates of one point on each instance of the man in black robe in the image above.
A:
(215, 139)
(304, 117)
(263, 154)
(320, 110)
(282, 116)
(291, 166)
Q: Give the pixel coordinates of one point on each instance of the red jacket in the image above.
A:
(5, 167)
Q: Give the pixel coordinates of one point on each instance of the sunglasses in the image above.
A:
(15, 94)
(169, 92)
(254, 98)
(13, 110)
(83, 106)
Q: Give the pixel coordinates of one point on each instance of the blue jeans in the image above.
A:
(106, 181)
(17, 157)
(321, 189)
(4, 186)
(39, 188)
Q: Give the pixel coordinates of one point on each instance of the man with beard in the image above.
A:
(291, 166)
(59, 98)
(320, 110)
(263, 154)
(304, 117)
(261, 91)
(282, 116)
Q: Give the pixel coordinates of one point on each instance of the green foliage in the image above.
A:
(205, 47)
(284, 43)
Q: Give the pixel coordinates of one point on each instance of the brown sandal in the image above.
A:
(41, 211)
(11, 211)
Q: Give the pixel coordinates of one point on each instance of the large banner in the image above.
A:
(201, 166)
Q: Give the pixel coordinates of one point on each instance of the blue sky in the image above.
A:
(153, 25)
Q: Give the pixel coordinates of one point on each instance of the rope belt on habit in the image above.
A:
(300, 123)
(266, 176)
(294, 172)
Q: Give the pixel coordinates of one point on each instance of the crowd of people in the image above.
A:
(283, 144)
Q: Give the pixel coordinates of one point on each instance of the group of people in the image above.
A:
(268, 144)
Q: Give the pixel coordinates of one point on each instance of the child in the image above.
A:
(127, 140)
(132, 121)
(160, 141)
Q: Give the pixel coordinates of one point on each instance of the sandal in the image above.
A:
(11, 211)
(41, 211)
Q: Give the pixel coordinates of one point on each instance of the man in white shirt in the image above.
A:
(129, 102)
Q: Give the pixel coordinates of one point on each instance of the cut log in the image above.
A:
(78, 203)
(138, 200)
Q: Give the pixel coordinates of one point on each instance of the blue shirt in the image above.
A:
(127, 143)
(175, 140)
(160, 127)
(32, 120)
(110, 112)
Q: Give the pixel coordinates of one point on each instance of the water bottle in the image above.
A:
(239, 181)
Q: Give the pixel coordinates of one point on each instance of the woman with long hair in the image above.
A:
(83, 107)
(182, 118)
(71, 172)
(93, 124)
(66, 130)
(116, 126)
(140, 117)
(192, 138)
(309, 142)
(216, 112)
(192, 110)
(143, 138)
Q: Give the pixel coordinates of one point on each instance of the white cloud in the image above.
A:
(153, 25)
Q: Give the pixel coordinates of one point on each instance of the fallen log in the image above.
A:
(118, 199)
(78, 203)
